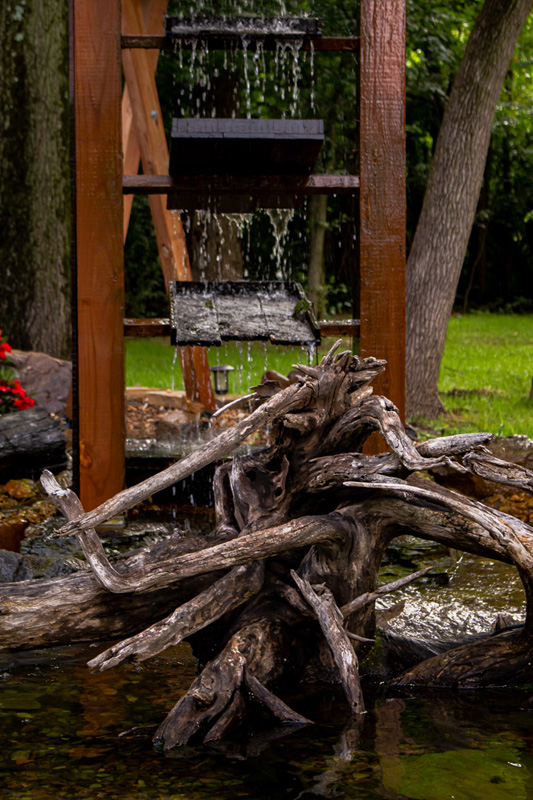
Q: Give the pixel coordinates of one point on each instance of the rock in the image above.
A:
(170, 425)
(47, 380)
(517, 449)
(14, 567)
(167, 398)
(30, 440)
(138, 392)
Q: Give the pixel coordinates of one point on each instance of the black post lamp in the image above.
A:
(220, 374)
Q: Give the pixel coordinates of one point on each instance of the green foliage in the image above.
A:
(144, 284)
(435, 45)
(499, 265)
(499, 262)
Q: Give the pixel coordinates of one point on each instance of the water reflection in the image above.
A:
(60, 726)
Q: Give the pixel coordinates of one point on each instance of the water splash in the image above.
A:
(280, 219)
(245, 44)
(312, 75)
(294, 48)
(173, 368)
(249, 345)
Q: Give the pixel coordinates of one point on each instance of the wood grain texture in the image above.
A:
(99, 249)
(319, 515)
(382, 194)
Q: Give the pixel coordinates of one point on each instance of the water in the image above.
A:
(280, 220)
(60, 724)
(464, 599)
(59, 727)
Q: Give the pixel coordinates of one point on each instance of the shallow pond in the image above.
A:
(60, 724)
(59, 727)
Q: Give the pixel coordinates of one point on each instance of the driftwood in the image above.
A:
(31, 437)
(283, 593)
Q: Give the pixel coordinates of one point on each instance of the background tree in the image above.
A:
(451, 197)
(34, 175)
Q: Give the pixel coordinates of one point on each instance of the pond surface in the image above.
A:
(60, 725)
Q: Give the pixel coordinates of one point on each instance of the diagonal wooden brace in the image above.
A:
(147, 130)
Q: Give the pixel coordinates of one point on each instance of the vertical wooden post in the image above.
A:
(100, 280)
(382, 194)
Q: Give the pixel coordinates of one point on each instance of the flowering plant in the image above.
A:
(12, 395)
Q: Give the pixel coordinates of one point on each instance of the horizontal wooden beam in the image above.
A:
(340, 327)
(162, 327)
(238, 184)
(337, 44)
(147, 327)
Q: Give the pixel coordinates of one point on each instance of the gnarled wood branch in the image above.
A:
(224, 595)
(330, 619)
(387, 588)
(495, 469)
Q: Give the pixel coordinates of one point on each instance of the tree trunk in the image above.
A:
(318, 206)
(34, 176)
(447, 215)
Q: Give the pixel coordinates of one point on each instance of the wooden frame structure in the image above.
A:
(108, 123)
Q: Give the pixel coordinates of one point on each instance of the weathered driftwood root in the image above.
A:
(331, 621)
(226, 594)
(301, 530)
(381, 591)
(507, 656)
(217, 700)
(48, 612)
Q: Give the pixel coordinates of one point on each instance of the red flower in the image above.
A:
(21, 403)
(4, 349)
(12, 395)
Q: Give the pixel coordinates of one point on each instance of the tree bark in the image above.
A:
(34, 176)
(30, 440)
(318, 207)
(449, 207)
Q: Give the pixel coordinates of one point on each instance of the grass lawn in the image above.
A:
(485, 376)
(153, 362)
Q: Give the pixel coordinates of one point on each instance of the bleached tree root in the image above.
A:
(226, 594)
(217, 700)
(284, 592)
(331, 622)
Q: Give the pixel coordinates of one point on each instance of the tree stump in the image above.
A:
(283, 594)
